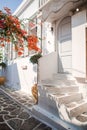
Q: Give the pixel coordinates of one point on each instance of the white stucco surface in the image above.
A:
(21, 75)
(47, 66)
(79, 44)
(29, 10)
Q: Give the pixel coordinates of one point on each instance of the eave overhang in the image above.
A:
(55, 9)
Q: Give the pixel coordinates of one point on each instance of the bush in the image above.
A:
(3, 65)
(34, 58)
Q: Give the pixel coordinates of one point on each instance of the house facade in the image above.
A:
(59, 25)
(68, 21)
(62, 71)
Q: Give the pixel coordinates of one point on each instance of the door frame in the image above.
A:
(86, 51)
(58, 33)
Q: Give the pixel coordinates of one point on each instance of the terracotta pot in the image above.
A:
(2, 80)
(35, 93)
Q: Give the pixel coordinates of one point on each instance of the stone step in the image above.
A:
(57, 82)
(74, 112)
(58, 90)
(51, 98)
(60, 76)
(64, 102)
(66, 98)
(77, 110)
(62, 97)
(74, 104)
(52, 119)
(81, 119)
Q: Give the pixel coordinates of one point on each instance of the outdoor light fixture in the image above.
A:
(77, 9)
(52, 29)
(80, 7)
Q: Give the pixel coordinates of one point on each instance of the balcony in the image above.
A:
(42, 3)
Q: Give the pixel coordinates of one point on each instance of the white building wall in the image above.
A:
(47, 66)
(30, 10)
(48, 44)
(79, 44)
(21, 75)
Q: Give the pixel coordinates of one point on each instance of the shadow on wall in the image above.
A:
(63, 66)
(60, 66)
(12, 77)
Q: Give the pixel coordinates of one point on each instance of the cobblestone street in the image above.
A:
(13, 116)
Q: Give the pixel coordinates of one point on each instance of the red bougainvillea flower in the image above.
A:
(2, 45)
(20, 53)
(32, 39)
(11, 31)
(2, 24)
(2, 39)
(32, 43)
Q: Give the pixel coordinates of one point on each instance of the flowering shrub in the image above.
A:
(11, 32)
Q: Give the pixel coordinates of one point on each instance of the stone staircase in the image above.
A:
(63, 98)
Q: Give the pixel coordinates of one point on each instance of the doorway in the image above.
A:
(65, 46)
(86, 53)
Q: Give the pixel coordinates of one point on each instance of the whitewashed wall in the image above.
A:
(17, 76)
(47, 66)
(48, 45)
(21, 75)
(30, 10)
(79, 44)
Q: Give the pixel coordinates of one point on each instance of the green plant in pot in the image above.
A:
(1, 56)
(34, 58)
(2, 78)
(3, 65)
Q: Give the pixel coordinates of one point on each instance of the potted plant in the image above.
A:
(2, 78)
(3, 66)
(34, 58)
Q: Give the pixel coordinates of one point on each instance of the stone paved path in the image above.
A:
(22, 98)
(13, 116)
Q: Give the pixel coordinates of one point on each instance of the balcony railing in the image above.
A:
(43, 3)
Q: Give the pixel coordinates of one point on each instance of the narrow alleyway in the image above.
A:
(13, 116)
(16, 112)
